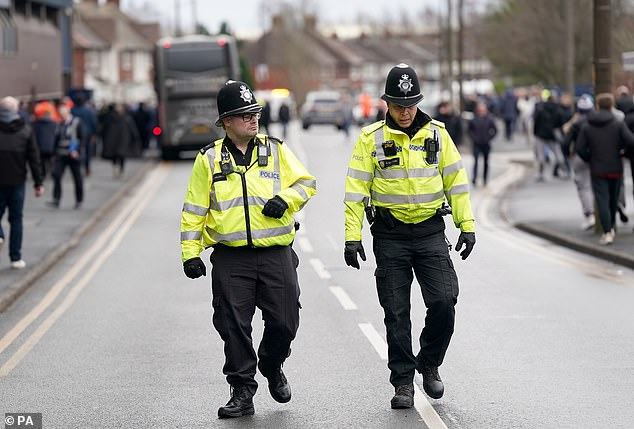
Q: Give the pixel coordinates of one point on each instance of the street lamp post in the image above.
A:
(602, 46)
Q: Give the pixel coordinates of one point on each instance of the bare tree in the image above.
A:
(524, 39)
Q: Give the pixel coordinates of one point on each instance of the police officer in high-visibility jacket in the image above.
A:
(401, 171)
(243, 192)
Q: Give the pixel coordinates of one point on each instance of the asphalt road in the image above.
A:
(116, 336)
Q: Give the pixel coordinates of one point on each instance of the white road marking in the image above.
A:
(343, 298)
(319, 268)
(304, 244)
(421, 404)
(79, 267)
(115, 233)
(375, 339)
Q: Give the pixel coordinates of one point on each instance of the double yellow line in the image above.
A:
(84, 269)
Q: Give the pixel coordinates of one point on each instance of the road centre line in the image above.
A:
(421, 404)
(319, 268)
(343, 298)
(121, 224)
(75, 270)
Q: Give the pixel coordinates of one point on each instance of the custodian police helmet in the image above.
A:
(235, 98)
(402, 87)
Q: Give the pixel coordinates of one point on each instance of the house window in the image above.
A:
(8, 34)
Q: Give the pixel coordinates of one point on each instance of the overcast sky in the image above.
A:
(245, 17)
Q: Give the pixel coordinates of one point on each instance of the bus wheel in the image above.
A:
(169, 153)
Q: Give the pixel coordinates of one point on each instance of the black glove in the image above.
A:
(468, 239)
(275, 207)
(350, 253)
(194, 268)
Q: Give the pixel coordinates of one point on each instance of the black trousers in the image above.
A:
(606, 195)
(429, 259)
(61, 162)
(245, 278)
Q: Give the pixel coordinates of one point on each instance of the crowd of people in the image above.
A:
(52, 135)
(585, 139)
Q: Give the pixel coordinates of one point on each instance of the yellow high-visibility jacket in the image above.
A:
(406, 184)
(227, 209)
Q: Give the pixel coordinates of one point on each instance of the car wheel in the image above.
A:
(305, 125)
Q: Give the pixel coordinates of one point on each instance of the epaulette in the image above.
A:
(438, 123)
(209, 146)
(276, 140)
(369, 129)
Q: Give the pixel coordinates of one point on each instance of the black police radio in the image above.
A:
(431, 148)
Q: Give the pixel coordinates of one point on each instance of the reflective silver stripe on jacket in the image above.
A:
(452, 168)
(277, 184)
(255, 234)
(312, 183)
(194, 209)
(211, 156)
(404, 173)
(221, 206)
(406, 199)
(378, 143)
(458, 189)
(359, 175)
(354, 197)
(191, 235)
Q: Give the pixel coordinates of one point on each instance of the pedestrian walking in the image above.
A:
(400, 173)
(482, 130)
(67, 154)
(452, 121)
(120, 138)
(601, 142)
(526, 107)
(581, 169)
(265, 117)
(545, 121)
(142, 119)
(88, 119)
(45, 131)
(509, 112)
(17, 149)
(284, 116)
(241, 199)
(629, 153)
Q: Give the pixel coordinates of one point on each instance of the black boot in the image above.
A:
(278, 385)
(431, 380)
(403, 396)
(240, 404)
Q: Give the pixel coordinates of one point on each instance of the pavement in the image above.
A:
(50, 233)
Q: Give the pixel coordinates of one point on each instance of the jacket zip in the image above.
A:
(247, 218)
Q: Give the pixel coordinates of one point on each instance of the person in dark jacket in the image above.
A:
(17, 149)
(265, 118)
(624, 102)
(509, 112)
(545, 121)
(481, 130)
(68, 149)
(601, 142)
(142, 121)
(89, 128)
(120, 139)
(452, 121)
(44, 131)
(284, 116)
(629, 153)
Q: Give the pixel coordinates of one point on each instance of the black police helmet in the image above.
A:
(235, 98)
(402, 87)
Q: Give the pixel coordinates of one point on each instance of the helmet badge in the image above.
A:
(245, 94)
(405, 84)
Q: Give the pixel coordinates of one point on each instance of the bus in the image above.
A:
(189, 72)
